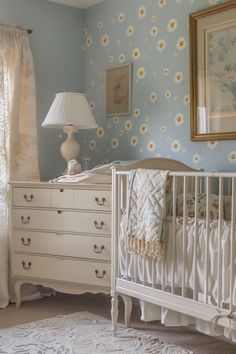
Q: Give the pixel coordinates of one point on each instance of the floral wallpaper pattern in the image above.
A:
(153, 36)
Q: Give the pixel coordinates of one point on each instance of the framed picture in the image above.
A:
(213, 72)
(118, 90)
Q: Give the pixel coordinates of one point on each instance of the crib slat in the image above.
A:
(174, 234)
(119, 193)
(184, 249)
(232, 251)
(143, 270)
(219, 259)
(195, 292)
(208, 192)
(153, 272)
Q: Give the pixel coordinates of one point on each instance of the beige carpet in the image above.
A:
(100, 305)
(80, 333)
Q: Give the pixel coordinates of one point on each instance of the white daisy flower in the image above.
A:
(179, 77)
(122, 58)
(143, 128)
(88, 41)
(166, 71)
(100, 132)
(212, 144)
(100, 24)
(92, 105)
(111, 59)
(114, 143)
(121, 132)
(105, 40)
(154, 18)
(184, 150)
(153, 97)
(151, 146)
(141, 73)
(163, 129)
(128, 125)
(186, 100)
(130, 31)
(175, 146)
(181, 43)
(232, 157)
(161, 45)
(154, 31)
(137, 112)
(121, 18)
(133, 141)
(168, 94)
(136, 54)
(172, 25)
(108, 49)
(161, 3)
(92, 144)
(142, 12)
(179, 119)
(196, 158)
(116, 119)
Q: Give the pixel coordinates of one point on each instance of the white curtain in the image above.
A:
(18, 137)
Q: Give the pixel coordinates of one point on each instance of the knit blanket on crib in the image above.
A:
(143, 222)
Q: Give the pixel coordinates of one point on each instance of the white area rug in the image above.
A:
(80, 333)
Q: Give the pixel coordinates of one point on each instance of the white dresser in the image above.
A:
(61, 236)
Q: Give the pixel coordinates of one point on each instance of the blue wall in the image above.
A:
(66, 60)
(163, 126)
(56, 45)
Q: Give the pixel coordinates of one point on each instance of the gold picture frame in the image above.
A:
(213, 73)
(118, 90)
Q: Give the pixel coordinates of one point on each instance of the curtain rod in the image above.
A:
(28, 30)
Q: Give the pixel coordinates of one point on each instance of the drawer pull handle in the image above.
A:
(59, 211)
(99, 226)
(100, 276)
(100, 202)
(24, 243)
(61, 190)
(25, 220)
(26, 266)
(29, 198)
(96, 249)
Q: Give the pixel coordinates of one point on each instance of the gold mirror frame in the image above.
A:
(200, 24)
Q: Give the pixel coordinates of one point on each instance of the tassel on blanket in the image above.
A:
(154, 249)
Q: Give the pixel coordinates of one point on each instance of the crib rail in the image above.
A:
(198, 277)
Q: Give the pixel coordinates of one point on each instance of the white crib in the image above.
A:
(196, 277)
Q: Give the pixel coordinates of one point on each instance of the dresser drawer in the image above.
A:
(62, 245)
(62, 269)
(62, 198)
(62, 220)
(95, 200)
(30, 197)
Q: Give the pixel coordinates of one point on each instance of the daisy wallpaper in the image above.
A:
(153, 35)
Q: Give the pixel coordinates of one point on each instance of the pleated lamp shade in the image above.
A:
(70, 108)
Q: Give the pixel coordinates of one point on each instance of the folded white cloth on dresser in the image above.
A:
(99, 174)
(146, 212)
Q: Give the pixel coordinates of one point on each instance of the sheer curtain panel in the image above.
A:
(18, 135)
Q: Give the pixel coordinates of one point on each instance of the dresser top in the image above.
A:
(47, 185)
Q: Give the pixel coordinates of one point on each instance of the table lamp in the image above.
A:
(71, 112)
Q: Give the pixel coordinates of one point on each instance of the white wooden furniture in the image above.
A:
(61, 236)
(198, 281)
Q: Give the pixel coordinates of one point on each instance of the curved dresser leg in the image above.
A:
(17, 292)
(128, 308)
(114, 313)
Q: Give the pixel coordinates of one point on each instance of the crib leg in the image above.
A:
(114, 313)
(128, 308)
